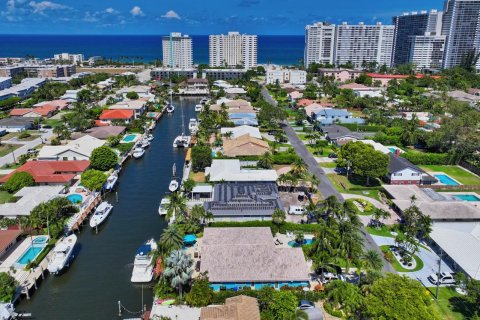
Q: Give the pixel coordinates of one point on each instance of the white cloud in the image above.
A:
(171, 15)
(110, 10)
(137, 11)
(40, 7)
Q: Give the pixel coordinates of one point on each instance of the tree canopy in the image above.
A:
(103, 158)
(201, 158)
(18, 180)
(8, 284)
(93, 179)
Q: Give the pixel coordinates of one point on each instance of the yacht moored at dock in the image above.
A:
(193, 125)
(100, 214)
(198, 108)
(62, 254)
(111, 181)
(162, 208)
(150, 137)
(142, 266)
(145, 143)
(138, 153)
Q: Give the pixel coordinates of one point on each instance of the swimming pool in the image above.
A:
(446, 180)
(293, 243)
(189, 239)
(75, 198)
(29, 255)
(40, 240)
(130, 138)
(393, 150)
(467, 197)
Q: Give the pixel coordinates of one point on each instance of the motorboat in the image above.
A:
(193, 125)
(163, 207)
(181, 141)
(111, 181)
(100, 214)
(204, 100)
(173, 186)
(138, 153)
(7, 310)
(142, 265)
(198, 108)
(62, 254)
(144, 143)
(170, 108)
(150, 137)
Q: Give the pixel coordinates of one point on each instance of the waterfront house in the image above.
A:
(402, 171)
(248, 258)
(138, 106)
(195, 84)
(28, 198)
(79, 149)
(235, 308)
(108, 116)
(142, 91)
(8, 238)
(243, 118)
(240, 131)
(244, 145)
(52, 172)
(16, 124)
(102, 132)
(229, 170)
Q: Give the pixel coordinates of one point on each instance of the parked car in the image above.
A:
(332, 155)
(32, 151)
(329, 276)
(444, 278)
(305, 304)
(296, 210)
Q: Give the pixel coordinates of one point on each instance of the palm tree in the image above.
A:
(299, 167)
(178, 269)
(314, 182)
(372, 260)
(188, 185)
(266, 161)
(199, 214)
(177, 206)
(171, 239)
(278, 216)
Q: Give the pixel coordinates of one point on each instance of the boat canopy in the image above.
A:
(144, 250)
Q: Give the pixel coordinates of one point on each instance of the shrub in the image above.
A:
(125, 147)
(425, 158)
(284, 158)
(93, 179)
(17, 181)
(132, 95)
(22, 159)
(103, 158)
(336, 313)
(201, 158)
(24, 135)
(55, 141)
(201, 294)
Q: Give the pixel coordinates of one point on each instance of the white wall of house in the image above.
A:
(406, 176)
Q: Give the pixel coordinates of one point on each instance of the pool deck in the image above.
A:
(26, 279)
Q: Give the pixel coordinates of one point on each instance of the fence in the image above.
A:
(470, 167)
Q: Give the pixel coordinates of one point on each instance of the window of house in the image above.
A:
(399, 174)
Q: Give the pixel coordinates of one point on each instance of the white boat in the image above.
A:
(162, 208)
(173, 186)
(100, 214)
(193, 125)
(145, 143)
(150, 137)
(62, 253)
(142, 266)
(111, 181)
(181, 141)
(170, 108)
(138, 153)
(204, 100)
(198, 108)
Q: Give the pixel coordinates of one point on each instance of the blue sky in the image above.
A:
(280, 17)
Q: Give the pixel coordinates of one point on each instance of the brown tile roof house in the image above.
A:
(235, 308)
(244, 145)
(249, 255)
(7, 239)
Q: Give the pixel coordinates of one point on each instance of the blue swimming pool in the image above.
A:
(75, 198)
(393, 150)
(29, 255)
(446, 180)
(130, 138)
(293, 243)
(189, 239)
(467, 197)
(40, 240)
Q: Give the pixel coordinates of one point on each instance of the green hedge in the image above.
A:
(284, 158)
(283, 228)
(425, 158)
(221, 296)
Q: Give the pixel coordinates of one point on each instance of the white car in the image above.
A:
(296, 210)
(444, 278)
(329, 276)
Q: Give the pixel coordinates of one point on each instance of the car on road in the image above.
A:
(443, 278)
(32, 151)
(305, 304)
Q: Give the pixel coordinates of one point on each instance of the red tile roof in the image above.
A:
(7, 237)
(20, 111)
(305, 102)
(100, 123)
(116, 114)
(51, 171)
(45, 109)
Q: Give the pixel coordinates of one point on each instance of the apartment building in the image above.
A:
(233, 49)
(279, 75)
(177, 51)
(5, 83)
(76, 58)
(319, 43)
(56, 71)
(10, 71)
(166, 73)
(363, 43)
(461, 26)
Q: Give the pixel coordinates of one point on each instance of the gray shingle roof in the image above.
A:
(398, 163)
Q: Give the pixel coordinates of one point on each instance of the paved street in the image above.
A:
(8, 158)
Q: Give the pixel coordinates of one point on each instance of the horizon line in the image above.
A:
(126, 34)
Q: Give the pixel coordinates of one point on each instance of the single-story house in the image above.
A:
(235, 91)
(60, 104)
(402, 171)
(295, 95)
(108, 116)
(243, 119)
(340, 75)
(242, 130)
(244, 146)
(420, 116)
(51, 172)
(316, 107)
(142, 91)
(8, 238)
(361, 90)
(138, 106)
(249, 258)
(305, 102)
(330, 116)
(106, 85)
(229, 170)
(235, 308)
(29, 198)
(101, 132)
(16, 124)
(340, 135)
(45, 111)
(79, 149)
(70, 95)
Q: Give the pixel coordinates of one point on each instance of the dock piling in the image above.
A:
(116, 196)
(119, 308)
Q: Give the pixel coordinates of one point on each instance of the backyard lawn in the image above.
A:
(450, 304)
(344, 185)
(5, 197)
(7, 148)
(456, 172)
(198, 177)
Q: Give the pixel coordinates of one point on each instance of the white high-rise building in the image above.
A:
(427, 51)
(72, 58)
(177, 51)
(363, 43)
(319, 43)
(233, 49)
(461, 26)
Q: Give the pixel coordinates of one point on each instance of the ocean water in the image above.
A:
(271, 49)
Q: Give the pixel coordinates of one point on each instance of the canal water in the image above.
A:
(100, 274)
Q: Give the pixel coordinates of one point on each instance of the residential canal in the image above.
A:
(100, 274)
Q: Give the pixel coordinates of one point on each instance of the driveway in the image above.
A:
(8, 158)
